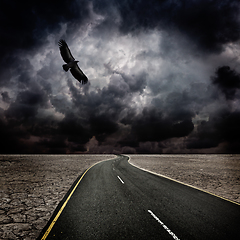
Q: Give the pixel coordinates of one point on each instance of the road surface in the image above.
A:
(115, 200)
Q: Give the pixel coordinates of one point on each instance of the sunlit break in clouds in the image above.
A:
(164, 77)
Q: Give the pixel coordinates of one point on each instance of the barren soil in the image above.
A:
(31, 187)
(217, 174)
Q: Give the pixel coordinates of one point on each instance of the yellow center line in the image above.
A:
(65, 203)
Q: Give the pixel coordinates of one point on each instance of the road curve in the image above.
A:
(115, 200)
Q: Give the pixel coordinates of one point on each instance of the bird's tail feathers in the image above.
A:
(65, 67)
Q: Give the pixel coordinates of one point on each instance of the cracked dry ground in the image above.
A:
(31, 186)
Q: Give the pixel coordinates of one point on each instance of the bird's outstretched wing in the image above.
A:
(65, 51)
(79, 75)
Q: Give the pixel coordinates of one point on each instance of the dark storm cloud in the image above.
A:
(222, 127)
(177, 106)
(164, 119)
(74, 129)
(26, 105)
(153, 126)
(56, 145)
(20, 119)
(102, 126)
(5, 97)
(98, 113)
(11, 138)
(210, 24)
(135, 83)
(24, 25)
(28, 21)
(100, 110)
(228, 81)
(147, 89)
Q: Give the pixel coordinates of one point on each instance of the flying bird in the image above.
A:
(71, 62)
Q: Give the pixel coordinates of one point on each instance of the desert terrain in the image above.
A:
(31, 186)
(218, 174)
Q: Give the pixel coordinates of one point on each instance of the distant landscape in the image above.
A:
(33, 185)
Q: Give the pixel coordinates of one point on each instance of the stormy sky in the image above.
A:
(164, 76)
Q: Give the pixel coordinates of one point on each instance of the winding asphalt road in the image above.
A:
(115, 200)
